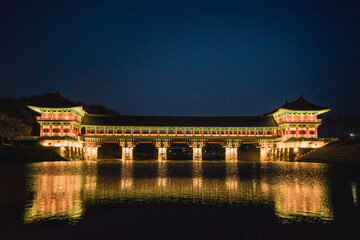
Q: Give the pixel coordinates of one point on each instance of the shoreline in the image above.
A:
(28, 154)
(337, 152)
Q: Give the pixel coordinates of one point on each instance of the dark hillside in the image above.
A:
(16, 119)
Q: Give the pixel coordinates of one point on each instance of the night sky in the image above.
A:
(201, 58)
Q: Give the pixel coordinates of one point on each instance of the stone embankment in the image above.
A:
(334, 152)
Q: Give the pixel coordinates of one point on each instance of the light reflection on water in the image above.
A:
(354, 193)
(62, 190)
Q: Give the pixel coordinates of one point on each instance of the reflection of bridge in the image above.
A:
(61, 192)
(279, 134)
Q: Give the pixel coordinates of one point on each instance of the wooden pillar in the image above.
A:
(297, 132)
(316, 132)
(41, 130)
(50, 131)
(62, 130)
(307, 133)
(288, 132)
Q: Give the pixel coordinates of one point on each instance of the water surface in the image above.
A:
(177, 199)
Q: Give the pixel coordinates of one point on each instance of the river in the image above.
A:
(179, 200)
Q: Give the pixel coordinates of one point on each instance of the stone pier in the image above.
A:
(127, 147)
(91, 152)
(265, 153)
(162, 146)
(197, 149)
(231, 151)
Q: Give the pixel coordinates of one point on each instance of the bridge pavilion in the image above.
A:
(279, 134)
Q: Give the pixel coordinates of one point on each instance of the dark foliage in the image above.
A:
(21, 153)
(16, 119)
(340, 126)
(57, 100)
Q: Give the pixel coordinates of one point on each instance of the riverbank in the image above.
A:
(28, 153)
(336, 152)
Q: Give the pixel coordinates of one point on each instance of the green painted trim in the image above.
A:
(78, 110)
(179, 129)
(104, 138)
(284, 112)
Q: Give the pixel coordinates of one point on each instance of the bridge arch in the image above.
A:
(213, 151)
(145, 151)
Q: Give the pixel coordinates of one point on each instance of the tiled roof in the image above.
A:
(124, 120)
(300, 105)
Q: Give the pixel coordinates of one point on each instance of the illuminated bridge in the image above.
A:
(279, 134)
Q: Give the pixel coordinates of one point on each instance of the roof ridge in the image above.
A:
(115, 116)
(299, 104)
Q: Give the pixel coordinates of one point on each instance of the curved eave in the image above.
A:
(317, 112)
(324, 111)
(78, 109)
(36, 109)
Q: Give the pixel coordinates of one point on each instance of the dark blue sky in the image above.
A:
(183, 57)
